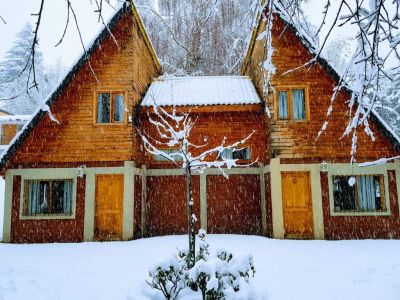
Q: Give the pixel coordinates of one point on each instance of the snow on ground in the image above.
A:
(286, 269)
(2, 183)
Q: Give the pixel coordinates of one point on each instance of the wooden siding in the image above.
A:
(8, 131)
(234, 125)
(297, 139)
(77, 138)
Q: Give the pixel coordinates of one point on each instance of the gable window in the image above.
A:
(243, 153)
(110, 107)
(366, 195)
(291, 104)
(48, 197)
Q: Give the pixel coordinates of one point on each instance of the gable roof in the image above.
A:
(201, 90)
(305, 40)
(104, 33)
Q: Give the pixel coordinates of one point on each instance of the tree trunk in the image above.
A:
(191, 220)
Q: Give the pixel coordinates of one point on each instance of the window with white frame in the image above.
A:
(242, 153)
(48, 197)
(367, 194)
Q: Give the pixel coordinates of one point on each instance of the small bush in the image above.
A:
(170, 276)
(216, 276)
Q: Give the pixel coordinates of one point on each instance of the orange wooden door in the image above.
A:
(297, 207)
(109, 207)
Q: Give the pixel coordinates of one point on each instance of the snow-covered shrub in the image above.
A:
(217, 276)
(220, 275)
(170, 276)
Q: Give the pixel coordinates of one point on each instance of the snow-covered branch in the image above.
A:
(173, 132)
(377, 25)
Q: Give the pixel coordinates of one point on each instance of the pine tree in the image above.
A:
(14, 81)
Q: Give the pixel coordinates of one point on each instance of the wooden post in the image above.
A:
(129, 200)
(276, 198)
(191, 220)
(144, 202)
(203, 200)
(263, 201)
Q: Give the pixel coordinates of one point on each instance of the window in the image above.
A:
(48, 197)
(169, 152)
(110, 108)
(243, 153)
(366, 195)
(291, 104)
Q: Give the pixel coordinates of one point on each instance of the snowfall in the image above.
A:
(285, 269)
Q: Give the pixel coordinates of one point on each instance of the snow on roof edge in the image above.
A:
(386, 125)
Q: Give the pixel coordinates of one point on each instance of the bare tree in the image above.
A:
(173, 132)
(205, 37)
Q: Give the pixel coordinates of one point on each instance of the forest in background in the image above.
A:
(206, 37)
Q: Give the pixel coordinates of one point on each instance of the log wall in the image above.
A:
(130, 69)
(291, 139)
(212, 127)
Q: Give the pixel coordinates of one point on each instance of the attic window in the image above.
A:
(291, 104)
(110, 107)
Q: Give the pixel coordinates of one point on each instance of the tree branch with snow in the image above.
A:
(172, 141)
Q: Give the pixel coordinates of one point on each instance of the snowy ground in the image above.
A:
(285, 269)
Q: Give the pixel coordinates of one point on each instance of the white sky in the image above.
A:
(17, 13)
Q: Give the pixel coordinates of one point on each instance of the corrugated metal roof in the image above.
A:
(201, 90)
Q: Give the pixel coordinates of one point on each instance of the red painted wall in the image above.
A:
(166, 204)
(361, 227)
(234, 204)
(47, 231)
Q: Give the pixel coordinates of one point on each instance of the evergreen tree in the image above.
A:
(14, 76)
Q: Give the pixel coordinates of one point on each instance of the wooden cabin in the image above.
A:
(9, 126)
(308, 177)
(78, 170)
(70, 173)
(222, 107)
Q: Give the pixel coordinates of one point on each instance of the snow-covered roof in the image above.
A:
(14, 119)
(201, 90)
